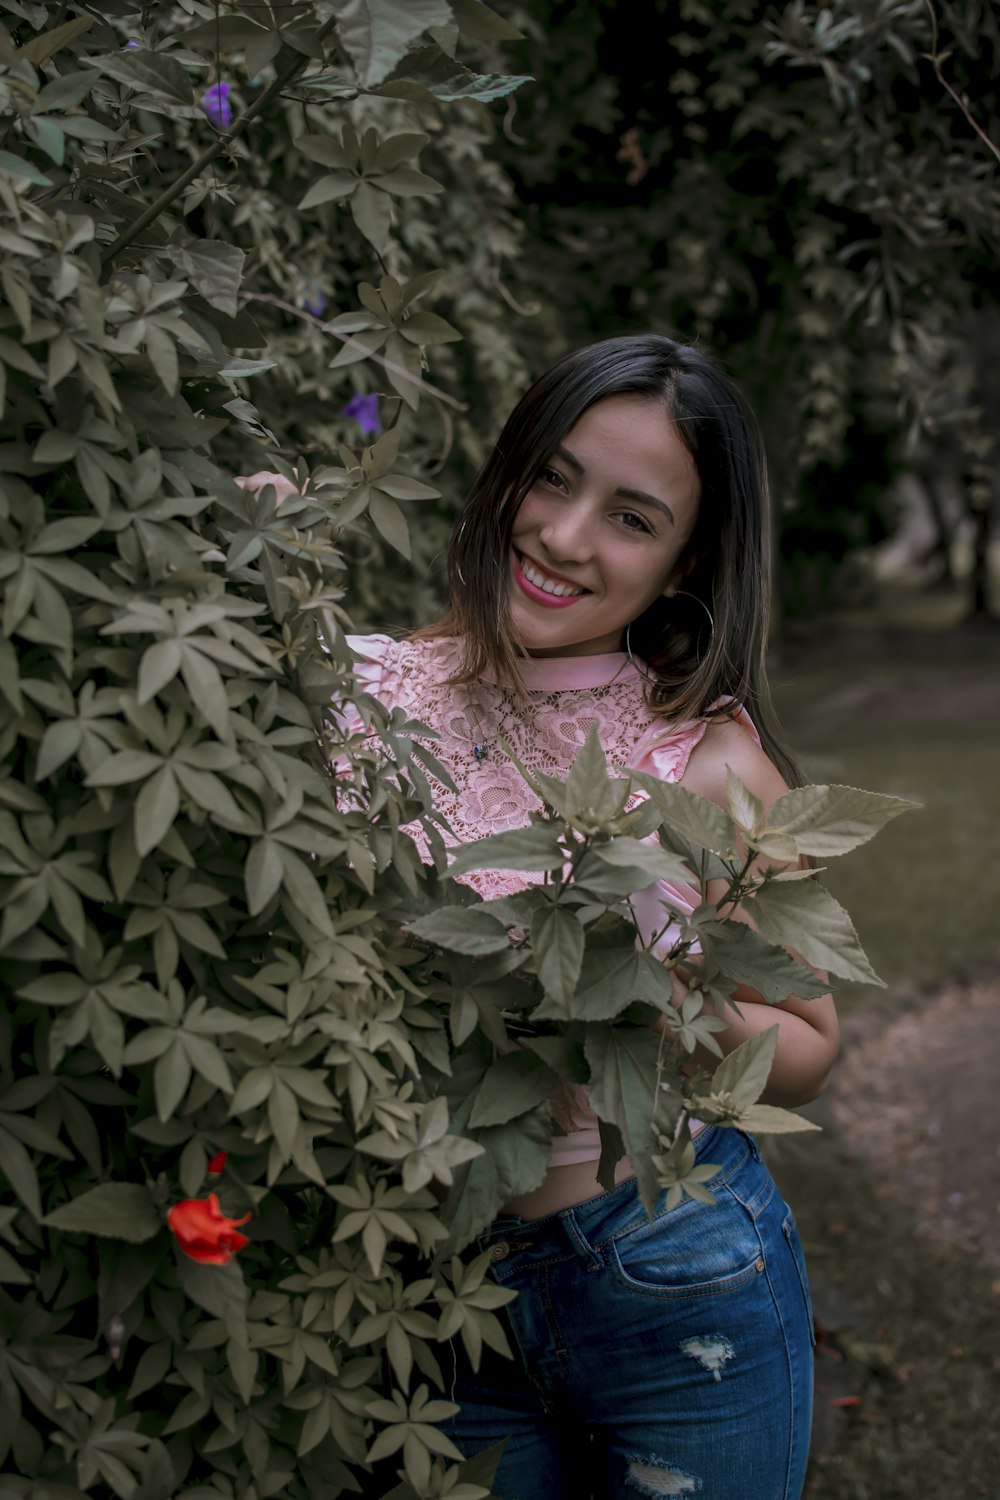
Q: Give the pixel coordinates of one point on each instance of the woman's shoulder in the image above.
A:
(730, 743)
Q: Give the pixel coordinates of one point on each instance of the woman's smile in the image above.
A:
(543, 586)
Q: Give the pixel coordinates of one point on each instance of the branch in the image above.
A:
(293, 66)
(347, 338)
(935, 58)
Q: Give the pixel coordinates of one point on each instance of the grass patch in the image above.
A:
(923, 894)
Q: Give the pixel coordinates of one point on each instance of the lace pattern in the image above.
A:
(492, 796)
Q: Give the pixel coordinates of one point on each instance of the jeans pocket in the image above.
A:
(700, 1249)
(790, 1230)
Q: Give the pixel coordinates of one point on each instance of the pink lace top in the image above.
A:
(567, 697)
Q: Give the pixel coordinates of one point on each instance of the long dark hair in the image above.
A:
(727, 559)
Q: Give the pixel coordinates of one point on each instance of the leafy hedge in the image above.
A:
(249, 1041)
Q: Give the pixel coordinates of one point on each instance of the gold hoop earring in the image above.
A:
(458, 566)
(674, 595)
(683, 593)
(628, 653)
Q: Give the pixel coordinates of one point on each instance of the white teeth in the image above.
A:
(547, 585)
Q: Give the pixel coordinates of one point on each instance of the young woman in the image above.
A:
(610, 568)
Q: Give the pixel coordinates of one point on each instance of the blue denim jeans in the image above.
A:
(670, 1356)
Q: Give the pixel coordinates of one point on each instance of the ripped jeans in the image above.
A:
(663, 1357)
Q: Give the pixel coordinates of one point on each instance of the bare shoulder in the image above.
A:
(726, 745)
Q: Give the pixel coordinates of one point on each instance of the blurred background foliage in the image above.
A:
(803, 188)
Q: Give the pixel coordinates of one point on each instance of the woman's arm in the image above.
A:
(808, 1031)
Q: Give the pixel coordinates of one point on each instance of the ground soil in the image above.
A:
(918, 1101)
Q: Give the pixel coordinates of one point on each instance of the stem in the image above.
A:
(294, 65)
(935, 60)
(349, 338)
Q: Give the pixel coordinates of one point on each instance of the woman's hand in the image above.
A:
(255, 482)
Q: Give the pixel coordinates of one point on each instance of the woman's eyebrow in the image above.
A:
(626, 494)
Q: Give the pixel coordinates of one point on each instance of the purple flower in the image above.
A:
(315, 303)
(215, 103)
(364, 411)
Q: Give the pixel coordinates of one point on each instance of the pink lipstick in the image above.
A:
(539, 596)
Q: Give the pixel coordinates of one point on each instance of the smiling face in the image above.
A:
(601, 532)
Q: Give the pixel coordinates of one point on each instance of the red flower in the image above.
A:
(217, 1164)
(204, 1233)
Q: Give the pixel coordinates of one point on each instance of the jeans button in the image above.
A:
(759, 1263)
(500, 1250)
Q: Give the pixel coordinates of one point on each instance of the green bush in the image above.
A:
(234, 998)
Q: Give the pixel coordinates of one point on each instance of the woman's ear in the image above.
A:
(675, 583)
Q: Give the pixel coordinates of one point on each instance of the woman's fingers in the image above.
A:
(282, 487)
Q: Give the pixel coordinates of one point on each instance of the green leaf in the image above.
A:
(407, 182)
(156, 807)
(373, 215)
(769, 1119)
(60, 741)
(389, 522)
(462, 929)
(536, 847)
(515, 1159)
(18, 1168)
(744, 1073)
(515, 1084)
(746, 957)
(171, 1077)
(557, 941)
(215, 268)
(67, 91)
(160, 664)
(377, 33)
(478, 23)
(696, 819)
(153, 72)
(123, 767)
(622, 1089)
(15, 166)
(608, 982)
(829, 820)
(803, 915)
(11, 1274)
(40, 48)
(303, 888)
(115, 1210)
(591, 794)
(745, 809)
(329, 189)
(220, 1290)
(204, 682)
(262, 874)
(429, 75)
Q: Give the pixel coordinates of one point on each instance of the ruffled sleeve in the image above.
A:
(664, 752)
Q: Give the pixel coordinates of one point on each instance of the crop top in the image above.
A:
(567, 697)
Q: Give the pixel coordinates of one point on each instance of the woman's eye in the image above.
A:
(634, 521)
(552, 476)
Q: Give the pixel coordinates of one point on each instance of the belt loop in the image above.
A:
(579, 1240)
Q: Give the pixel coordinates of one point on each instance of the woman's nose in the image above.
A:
(568, 535)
